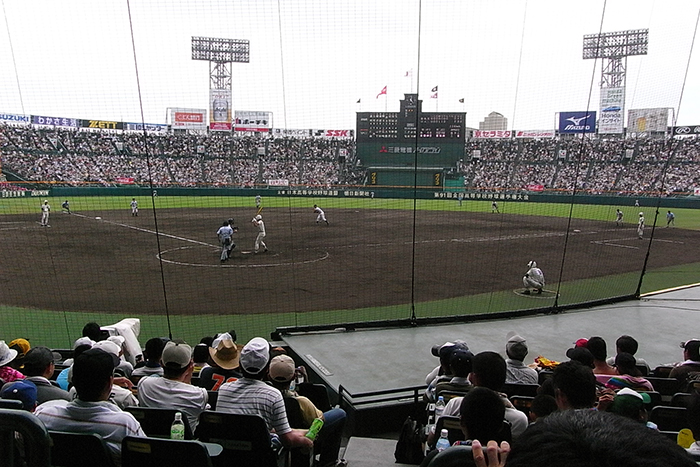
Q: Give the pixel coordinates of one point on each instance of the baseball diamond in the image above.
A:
(364, 259)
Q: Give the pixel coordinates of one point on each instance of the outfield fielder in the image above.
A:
(258, 201)
(258, 222)
(134, 207)
(670, 219)
(321, 215)
(225, 234)
(640, 226)
(45, 210)
(534, 278)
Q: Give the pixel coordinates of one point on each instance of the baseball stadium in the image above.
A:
(438, 195)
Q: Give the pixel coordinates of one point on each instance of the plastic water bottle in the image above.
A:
(439, 408)
(316, 426)
(442, 443)
(177, 429)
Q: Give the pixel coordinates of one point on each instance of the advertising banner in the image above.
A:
(690, 130)
(102, 124)
(14, 118)
(55, 121)
(492, 134)
(577, 122)
(125, 180)
(252, 120)
(220, 109)
(535, 134)
(188, 119)
(278, 182)
(612, 104)
(282, 132)
(154, 127)
(334, 133)
(647, 120)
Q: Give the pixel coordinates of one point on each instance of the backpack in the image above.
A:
(409, 447)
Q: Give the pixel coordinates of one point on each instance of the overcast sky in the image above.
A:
(311, 60)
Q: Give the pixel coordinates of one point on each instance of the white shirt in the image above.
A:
(250, 396)
(518, 420)
(261, 226)
(102, 418)
(156, 391)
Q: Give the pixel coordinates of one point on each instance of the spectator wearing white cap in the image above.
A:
(251, 395)
(121, 394)
(516, 371)
(174, 390)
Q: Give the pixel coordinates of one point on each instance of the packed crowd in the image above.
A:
(92, 157)
(104, 376)
(579, 409)
(631, 167)
(594, 166)
(558, 413)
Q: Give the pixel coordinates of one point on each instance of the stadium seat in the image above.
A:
(156, 422)
(245, 439)
(514, 389)
(669, 418)
(522, 403)
(213, 397)
(316, 393)
(149, 452)
(455, 456)
(667, 387)
(11, 404)
(681, 399)
(79, 449)
(35, 439)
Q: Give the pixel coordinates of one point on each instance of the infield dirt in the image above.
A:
(365, 258)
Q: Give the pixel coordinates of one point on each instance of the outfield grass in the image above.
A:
(59, 329)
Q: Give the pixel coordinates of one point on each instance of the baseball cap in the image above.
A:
(119, 340)
(36, 360)
(108, 346)
(516, 347)
(94, 363)
(176, 355)
(6, 354)
(643, 396)
(20, 345)
(581, 343)
(282, 368)
(83, 341)
(21, 390)
(435, 350)
(255, 355)
(690, 343)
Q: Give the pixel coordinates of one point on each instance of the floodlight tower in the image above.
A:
(220, 53)
(614, 48)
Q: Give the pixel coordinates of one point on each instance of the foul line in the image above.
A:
(176, 237)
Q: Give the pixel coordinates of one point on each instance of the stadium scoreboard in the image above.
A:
(410, 137)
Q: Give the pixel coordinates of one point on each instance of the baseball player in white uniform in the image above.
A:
(533, 279)
(258, 222)
(134, 207)
(45, 210)
(321, 215)
(640, 226)
(258, 201)
(618, 218)
(225, 234)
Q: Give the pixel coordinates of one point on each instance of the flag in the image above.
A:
(383, 91)
(461, 101)
(358, 100)
(434, 89)
(408, 73)
(434, 96)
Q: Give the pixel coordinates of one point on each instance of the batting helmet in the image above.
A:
(258, 217)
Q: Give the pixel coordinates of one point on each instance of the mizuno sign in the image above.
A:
(577, 122)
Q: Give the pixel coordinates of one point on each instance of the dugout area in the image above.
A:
(370, 264)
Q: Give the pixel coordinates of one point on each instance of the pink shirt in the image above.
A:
(9, 374)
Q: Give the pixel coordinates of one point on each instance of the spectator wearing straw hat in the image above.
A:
(223, 363)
